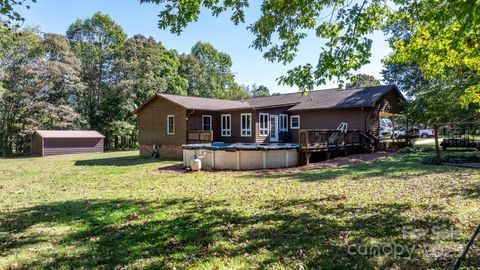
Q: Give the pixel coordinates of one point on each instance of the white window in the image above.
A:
(263, 124)
(295, 121)
(246, 124)
(226, 125)
(283, 125)
(170, 124)
(206, 122)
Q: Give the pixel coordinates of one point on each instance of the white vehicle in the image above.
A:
(422, 133)
(425, 133)
(386, 125)
(399, 133)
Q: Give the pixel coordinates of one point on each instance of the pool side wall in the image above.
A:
(243, 159)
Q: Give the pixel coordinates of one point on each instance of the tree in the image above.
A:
(146, 67)
(97, 41)
(259, 91)
(445, 34)
(41, 83)
(22, 52)
(123, 134)
(237, 92)
(208, 72)
(11, 19)
(194, 72)
(432, 101)
(219, 79)
(444, 39)
(8, 9)
(362, 80)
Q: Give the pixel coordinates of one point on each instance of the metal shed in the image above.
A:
(63, 142)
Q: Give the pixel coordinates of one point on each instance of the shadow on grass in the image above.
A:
(185, 233)
(117, 161)
(468, 191)
(393, 167)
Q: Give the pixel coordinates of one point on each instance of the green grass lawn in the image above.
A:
(117, 210)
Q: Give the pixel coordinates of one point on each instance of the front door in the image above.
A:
(273, 128)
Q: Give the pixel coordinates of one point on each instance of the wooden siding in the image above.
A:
(63, 146)
(330, 119)
(152, 121)
(152, 125)
(195, 123)
(37, 145)
(195, 120)
(276, 111)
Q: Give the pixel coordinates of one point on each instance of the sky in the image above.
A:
(249, 66)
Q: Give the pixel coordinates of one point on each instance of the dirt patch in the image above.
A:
(332, 163)
(175, 168)
(336, 162)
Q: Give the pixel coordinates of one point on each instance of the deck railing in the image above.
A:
(199, 136)
(319, 138)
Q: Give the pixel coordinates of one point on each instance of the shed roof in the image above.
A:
(69, 134)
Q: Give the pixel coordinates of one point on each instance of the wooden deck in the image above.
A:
(320, 140)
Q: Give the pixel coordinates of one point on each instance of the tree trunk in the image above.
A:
(438, 157)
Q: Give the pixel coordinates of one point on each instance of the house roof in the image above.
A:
(345, 98)
(279, 100)
(317, 99)
(211, 104)
(69, 134)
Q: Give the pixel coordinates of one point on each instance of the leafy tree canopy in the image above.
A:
(97, 41)
(146, 67)
(8, 9)
(209, 74)
(259, 91)
(445, 33)
(362, 80)
(41, 84)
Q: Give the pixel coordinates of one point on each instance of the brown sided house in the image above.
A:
(168, 121)
(62, 142)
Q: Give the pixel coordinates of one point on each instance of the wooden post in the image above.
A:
(307, 158)
(306, 139)
(393, 129)
(407, 134)
(328, 153)
(438, 157)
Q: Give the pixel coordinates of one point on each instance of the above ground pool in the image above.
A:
(242, 156)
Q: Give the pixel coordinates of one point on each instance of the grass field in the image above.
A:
(117, 210)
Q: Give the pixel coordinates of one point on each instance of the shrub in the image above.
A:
(452, 159)
(412, 150)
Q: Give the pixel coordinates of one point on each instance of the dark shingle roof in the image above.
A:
(278, 100)
(211, 104)
(317, 99)
(344, 98)
(69, 134)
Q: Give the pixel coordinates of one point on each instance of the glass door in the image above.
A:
(273, 128)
